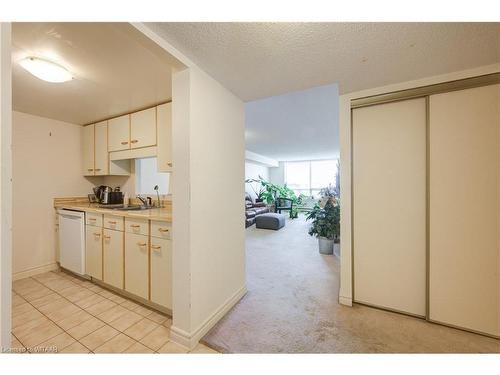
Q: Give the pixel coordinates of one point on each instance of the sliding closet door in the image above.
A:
(389, 205)
(465, 208)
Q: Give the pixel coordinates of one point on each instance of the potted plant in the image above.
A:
(269, 192)
(258, 192)
(325, 224)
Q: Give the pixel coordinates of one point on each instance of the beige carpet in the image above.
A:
(292, 307)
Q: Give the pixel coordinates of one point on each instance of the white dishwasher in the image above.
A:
(72, 240)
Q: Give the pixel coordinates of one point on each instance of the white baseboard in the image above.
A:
(347, 301)
(190, 340)
(35, 271)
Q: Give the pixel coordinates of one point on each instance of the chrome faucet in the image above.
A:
(143, 200)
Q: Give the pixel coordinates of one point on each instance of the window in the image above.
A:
(147, 176)
(309, 177)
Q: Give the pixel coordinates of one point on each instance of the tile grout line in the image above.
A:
(64, 331)
(67, 277)
(95, 316)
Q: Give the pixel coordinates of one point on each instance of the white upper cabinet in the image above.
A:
(164, 127)
(119, 133)
(95, 153)
(88, 150)
(101, 162)
(143, 128)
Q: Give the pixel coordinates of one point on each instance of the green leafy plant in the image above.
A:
(269, 192)
(258, 192)
(325, 221)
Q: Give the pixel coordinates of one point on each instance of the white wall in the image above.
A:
(253, 171)
(345, 294)
(127, 184)
(5, 185)
(207, 191)
(277, 175)
(47, 163)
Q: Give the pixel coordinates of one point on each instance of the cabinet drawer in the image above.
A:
(113, 222)
(136, 226)
(93, 219)
(161, 272)
(161, 229)
(137, 264)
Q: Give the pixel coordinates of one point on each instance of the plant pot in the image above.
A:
(325, 245)
(336, 249)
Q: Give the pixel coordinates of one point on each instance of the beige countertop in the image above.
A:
(159, 214)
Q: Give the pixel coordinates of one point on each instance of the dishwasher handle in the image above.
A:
(71, 214)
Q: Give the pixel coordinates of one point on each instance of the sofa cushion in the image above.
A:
(250, 214)
(260, 210)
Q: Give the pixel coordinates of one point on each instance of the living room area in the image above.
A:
(292, 220)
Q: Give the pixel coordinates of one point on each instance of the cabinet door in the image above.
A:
(161, 272)
(143, 128)
(113, 257)
(389, 163)
(464, 209)
(136, 264)
(119, 133)
(93, 252)
(101, 162)
(88, 150)
(164, 126)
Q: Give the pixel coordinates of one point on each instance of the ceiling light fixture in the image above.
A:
(46, 70)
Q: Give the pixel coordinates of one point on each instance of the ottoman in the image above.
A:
(270, 221)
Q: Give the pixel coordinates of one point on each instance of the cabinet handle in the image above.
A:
(91, 219)
(106, 237)
(135, 225)
(169, 164)
(97, 234)
(155, 247)
(163, 230)
(134, 141)
(125, 143)
(142, 244)
(90, 169)
(112, 222)
(97, 169)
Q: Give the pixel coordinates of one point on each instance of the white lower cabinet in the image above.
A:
(123, 254)
(93, 253)
(161, 272)
(137, 264)
(113, 257)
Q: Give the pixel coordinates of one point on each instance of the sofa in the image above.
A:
(253, 209)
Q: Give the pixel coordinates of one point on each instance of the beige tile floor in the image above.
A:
(58, 312)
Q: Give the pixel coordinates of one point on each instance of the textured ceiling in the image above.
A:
(258, 60)
(116, 70)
